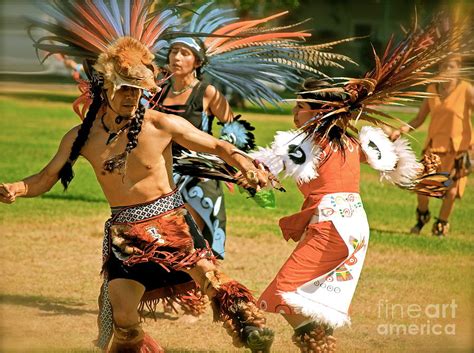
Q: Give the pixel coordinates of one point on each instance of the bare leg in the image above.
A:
(188, 317)
(422, 214)
(234, 305)
(441, 225)
(198, 274)
(448, 204)
(423, 202)
(125, 296)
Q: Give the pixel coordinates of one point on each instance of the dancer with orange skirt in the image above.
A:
(314, 288)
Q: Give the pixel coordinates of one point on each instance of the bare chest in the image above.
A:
(149, 154)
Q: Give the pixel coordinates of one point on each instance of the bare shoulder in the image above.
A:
(210, 91)
(70, 136)
(164, 122)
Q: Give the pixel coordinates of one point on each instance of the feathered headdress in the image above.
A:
(120, 40)
(402, 68)
(247, 57)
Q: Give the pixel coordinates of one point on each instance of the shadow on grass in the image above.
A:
(42, 96)
(52, 306)
(158, 316)
(72, 197)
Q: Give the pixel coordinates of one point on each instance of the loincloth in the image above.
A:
(151, 243)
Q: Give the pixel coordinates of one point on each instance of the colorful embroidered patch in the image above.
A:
(343, 274)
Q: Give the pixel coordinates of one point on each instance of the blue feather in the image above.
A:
(195, 18)
(214, 19)
(117, 16)
(104, 10)
(126, 17)
(237, 133)
(217, 23)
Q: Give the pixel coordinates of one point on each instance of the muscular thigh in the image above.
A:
(125, 294)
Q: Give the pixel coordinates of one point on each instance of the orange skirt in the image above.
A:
(321, 250)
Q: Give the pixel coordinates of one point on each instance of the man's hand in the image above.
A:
(9, 192)
(256, 178)
(395, 135)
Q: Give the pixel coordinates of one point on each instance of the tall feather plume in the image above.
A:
(247, 55)
(86, 28)
(402, 67)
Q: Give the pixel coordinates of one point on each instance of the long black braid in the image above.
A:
(119, 162)
(135, 128)
(66, 174)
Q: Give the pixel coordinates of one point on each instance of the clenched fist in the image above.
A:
(9, 192)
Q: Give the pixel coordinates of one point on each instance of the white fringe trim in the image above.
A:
(407, 169)
(382, 158)
(316, 311)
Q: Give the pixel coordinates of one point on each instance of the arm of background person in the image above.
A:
(470, 107)
(218, 104)
(415, 123)
(43, 181)
(470, 98)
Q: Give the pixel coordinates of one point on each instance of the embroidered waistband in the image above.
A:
(147, 210)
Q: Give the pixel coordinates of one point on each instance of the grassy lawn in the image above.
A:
(51, 251)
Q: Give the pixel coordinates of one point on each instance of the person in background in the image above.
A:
(449, 136)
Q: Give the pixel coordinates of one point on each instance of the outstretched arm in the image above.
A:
(43, 181)
(186, 135)
(415, 123)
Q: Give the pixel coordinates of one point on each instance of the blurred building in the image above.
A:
(375, 19)
(17, 55)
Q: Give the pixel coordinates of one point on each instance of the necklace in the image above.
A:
(119, 119)
(112, 135)
(178, 92)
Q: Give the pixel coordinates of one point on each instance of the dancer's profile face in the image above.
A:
(302, 112)
(182, 60)
(125, 100)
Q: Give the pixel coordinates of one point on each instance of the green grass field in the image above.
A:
(51, 250)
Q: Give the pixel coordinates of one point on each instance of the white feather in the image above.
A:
(316, 311)
(303, 149)
(407, 168)
(268, 157)
(384, 157)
